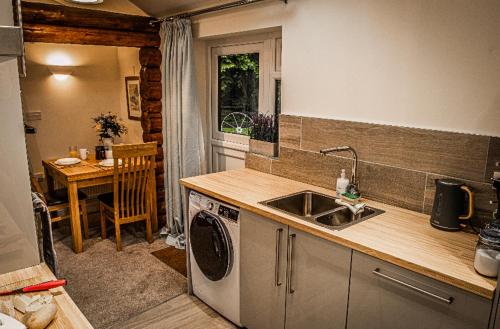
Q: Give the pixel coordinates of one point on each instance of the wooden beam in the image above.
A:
(151, 74)
(41, 13)
(150, 90)
(88, 36)
(150, 57)
(151, 106)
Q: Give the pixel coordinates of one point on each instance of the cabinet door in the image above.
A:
(263, 271)
(383, 296)
(318, 282)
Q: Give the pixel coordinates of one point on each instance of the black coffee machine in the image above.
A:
(453, 203)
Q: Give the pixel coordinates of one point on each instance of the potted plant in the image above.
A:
(264, 135)
(109, 126)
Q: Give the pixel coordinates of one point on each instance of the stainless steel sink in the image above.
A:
(303, 204)
(320, 209)
(344, 216)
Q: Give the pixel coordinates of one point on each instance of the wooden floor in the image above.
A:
(180, 312)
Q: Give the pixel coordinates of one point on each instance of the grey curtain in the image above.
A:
(182, 123)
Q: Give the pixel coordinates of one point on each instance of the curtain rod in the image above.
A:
(209, 10)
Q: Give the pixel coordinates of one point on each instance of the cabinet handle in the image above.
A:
(291, 238)
(448, 300)
(278, 258)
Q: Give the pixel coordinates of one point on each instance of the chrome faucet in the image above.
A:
(353, 186)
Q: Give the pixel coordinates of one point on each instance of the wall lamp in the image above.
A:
(60, 73)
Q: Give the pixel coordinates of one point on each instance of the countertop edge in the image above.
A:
(477, 290)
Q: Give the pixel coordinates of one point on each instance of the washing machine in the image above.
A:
(214, 239)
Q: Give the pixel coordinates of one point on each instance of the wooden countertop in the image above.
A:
(68, 315)
(398, 236)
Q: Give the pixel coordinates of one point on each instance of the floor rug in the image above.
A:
(109, 286)
(173, 257)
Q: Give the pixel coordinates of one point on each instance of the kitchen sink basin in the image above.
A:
(320, 209)
(343, 216)
(303, 204)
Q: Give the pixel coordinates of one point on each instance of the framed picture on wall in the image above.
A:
(133, 98)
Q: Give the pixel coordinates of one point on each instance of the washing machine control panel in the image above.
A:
(229, 213)
(214, 206)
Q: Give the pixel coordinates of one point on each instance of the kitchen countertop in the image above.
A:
(68, 315)
(399, 236)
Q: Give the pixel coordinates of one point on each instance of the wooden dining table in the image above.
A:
(87, 173)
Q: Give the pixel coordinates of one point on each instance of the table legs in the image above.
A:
(76, 230)
(49, 180)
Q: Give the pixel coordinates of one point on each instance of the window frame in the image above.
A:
(253, 47)
(271, 39)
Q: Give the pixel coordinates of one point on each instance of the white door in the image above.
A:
(243, 75)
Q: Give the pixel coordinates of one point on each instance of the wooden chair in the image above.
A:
(58, 200)
(133, 189)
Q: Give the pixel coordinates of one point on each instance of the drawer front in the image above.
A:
(383, 295)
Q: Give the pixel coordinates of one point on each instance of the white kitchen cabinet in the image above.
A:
(384, 296)
(318, 282)
(291, 279)
(263, 271)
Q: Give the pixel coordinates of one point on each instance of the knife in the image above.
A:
(36, 287)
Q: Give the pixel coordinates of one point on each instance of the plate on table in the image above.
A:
(67, 161)
(109, 163)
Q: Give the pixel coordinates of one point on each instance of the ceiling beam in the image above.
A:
(62, 24)
(41, 13)
(88, 36)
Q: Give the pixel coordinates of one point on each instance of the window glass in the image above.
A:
(238, 77)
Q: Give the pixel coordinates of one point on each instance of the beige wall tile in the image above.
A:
(394, 186)
(289, 131)
(258, 162)
(310, 167)
(447, 153)
(493, 158)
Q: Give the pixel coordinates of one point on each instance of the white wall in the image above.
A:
(128, 64)
(428, 64)
(18, 245)
(95, 86)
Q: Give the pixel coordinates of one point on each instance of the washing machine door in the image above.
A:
(211, 245)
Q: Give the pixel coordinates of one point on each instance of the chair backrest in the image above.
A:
(133, 179)
(36, 187)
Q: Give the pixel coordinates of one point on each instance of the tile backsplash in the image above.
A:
(397, 165)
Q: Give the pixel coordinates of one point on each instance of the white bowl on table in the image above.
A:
(67, 161)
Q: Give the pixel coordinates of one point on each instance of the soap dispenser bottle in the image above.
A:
(342, 183)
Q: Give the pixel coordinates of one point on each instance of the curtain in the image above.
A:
(183, 144)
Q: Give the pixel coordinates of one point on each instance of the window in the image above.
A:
(238, 92)
(244, 80)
